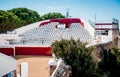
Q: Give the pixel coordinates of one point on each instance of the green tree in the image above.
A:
(77, 55)
(26, 15)
(51, 15)
(8, 21)
(110, 63)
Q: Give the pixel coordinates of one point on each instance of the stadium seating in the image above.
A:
(49, 31)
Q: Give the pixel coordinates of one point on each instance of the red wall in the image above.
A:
(7, 51)
(33, 51)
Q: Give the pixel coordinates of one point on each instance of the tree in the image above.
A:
(51, 15)
(8, 21)
(26, 15)
(77, 55)
(110, 63)
(18, 17)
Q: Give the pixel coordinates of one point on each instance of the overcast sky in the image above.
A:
(105, 10)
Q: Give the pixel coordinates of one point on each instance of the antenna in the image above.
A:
(67, 13)
(95, 18)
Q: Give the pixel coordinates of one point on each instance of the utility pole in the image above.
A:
(95, 24)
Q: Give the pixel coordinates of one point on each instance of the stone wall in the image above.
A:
(107, 46)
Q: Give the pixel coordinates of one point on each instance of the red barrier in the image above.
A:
(7, 51)
(33, 51)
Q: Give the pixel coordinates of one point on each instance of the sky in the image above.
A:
(103, 10)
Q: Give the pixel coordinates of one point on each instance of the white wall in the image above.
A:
(24, 69)
(89, 28)
(5, 38)
(28, 27)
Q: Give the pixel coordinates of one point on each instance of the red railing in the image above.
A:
(66, 21)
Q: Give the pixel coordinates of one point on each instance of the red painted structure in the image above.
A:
(66, 21)
(7, 51)
(33, 51)
(46, 51)
(44, 23)
(103, 26)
